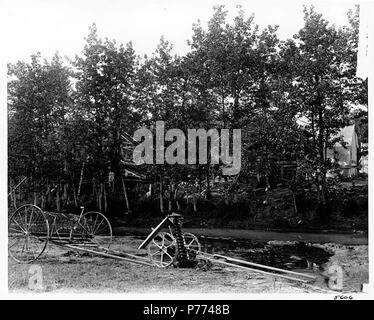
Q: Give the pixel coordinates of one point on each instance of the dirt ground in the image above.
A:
(354, 262)
(64, 271)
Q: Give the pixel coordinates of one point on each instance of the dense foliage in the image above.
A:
(67, 120)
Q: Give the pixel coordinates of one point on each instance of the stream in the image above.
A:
(297, 255)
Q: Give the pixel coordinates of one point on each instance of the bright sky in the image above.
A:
(61, 25)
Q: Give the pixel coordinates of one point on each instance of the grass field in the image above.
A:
(64, 271)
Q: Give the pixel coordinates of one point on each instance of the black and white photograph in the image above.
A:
(170, 148)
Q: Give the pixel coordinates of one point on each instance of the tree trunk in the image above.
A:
(58, 203)
(95, 192)
(194, 202)
(105, 199)
(13, 201)
(150, 190)
(172, 197)
(75, 195)
(20, 194)
(175, 197)
(99, 197)
(42, 205)
(161, 195)
(10, 194)
(322, 172)
(126, 197)
(65, 192)
(48, 194)
(207, 195)
(294, 203)
(15, 198)
(65, 186)
(199, 177)
(227, 199)
(80, 181)
(35, 199)
(321, 195)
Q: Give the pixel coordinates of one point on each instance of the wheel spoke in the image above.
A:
(103, 229)
(26, 224)
(36, 221)
(157, 252)
(16, 230)
(93, 226)
(171, 244)
(97, 226)
(156, 244)
(164, 250)
(19, 226)
(84, 228)
(168, 255)
(15, 242)
(23, 247)
(30, 249)
(35, 244)
(192, 244)
(192, 241)
(29, 224)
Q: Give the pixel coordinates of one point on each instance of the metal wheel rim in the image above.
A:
(24, 225)
(90, 231)
(192, 244)
(159, 250)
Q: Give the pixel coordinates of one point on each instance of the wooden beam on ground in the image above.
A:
(103, 254)
(260, 265)
(252, 269)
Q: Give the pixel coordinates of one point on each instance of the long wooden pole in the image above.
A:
(22, 181)
(115, 252)
(254, 270)
(108, 255)
(257, 265)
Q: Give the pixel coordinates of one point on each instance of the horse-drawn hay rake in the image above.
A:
(30, 229)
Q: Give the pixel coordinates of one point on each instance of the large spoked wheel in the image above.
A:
(162, 250)
(92, 228)
(192, 244)
(28, 232)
